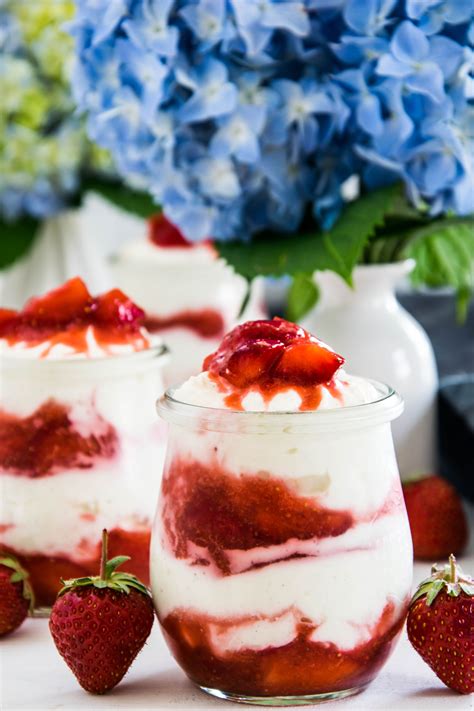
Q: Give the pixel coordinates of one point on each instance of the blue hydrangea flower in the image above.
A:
(44, 149)
(239, 115)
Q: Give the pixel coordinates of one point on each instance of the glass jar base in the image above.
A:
(305, 700)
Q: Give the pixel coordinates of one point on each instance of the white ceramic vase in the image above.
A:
(63, 249)
(381, 340)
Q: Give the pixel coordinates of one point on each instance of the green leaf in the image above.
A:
(114, 563)
(444, 255)
(134, 201)
(16, 238)
(434, 590)
(302, 296)
(468, 588)
(16, 577)
(339, 249)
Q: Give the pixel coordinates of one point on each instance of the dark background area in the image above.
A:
(454, 348)
(453, 343)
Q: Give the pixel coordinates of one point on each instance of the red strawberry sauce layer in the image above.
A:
(271, 357)
(46, 571)
(208, 509)
(297, 668)
(47, 442)
(66, 315)
(206, 323)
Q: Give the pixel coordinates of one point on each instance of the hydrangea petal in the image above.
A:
(409, 44)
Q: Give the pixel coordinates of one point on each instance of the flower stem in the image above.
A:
(103, 558)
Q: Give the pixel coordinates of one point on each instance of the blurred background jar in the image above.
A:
(191, 297)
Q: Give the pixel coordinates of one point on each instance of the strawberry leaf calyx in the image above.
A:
(19, 575)
(448, 577)
(108, 577)
(122, 582)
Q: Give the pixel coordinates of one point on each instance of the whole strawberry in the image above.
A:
(99, 624)
(16, 595)
(440, 625)
(437, 519)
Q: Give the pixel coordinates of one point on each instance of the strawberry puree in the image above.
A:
(47, 442)
(210, 508)
(46, 571)
(207, 323)
(297, 668)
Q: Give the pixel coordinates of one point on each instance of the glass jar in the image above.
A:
(79, 451)
(281, 557)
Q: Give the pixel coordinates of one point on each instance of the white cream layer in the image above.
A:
(144, 250)
(204, 391)
(318, 588)
(46, 351)
(64, 514)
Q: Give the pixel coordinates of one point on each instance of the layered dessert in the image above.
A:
(80, 448)
(281, 556)
(191, 297)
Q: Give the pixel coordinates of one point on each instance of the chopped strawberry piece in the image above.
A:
(115, 308)
(69, 302)
(69, 310)
(249, 363)
(163, 233)
(307, 363)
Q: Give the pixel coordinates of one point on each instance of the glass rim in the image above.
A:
(385, 408)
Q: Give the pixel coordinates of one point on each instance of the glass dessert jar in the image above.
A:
(79, 451)
(281, 557)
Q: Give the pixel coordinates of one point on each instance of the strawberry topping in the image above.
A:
(163, 233)
(63, 315)
(271, 356)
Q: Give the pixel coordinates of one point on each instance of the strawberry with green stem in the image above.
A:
(16, 594)
(100, 623)
(440, 625)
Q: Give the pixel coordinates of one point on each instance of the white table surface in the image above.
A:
(33, 677)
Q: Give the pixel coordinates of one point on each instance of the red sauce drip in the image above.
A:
(212, 509)
(47, 442)
(64, 316)
(46, 571)
(272, 357)
(206, 323)
(311, 395)
(298, 668)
